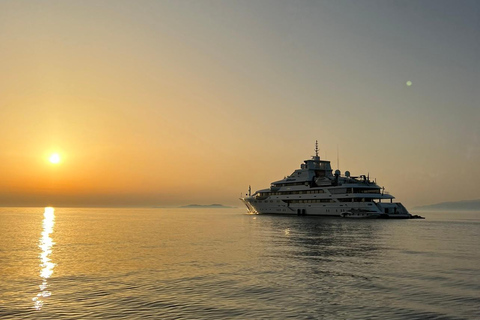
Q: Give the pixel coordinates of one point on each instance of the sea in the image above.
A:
(201, 263)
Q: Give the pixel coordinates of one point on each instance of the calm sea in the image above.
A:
(224, 264)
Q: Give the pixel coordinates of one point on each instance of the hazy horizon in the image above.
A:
(151, 103)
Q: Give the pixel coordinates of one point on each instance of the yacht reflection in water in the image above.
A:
(46, 264)
(316, 239)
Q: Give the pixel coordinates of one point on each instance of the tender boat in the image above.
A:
(360, 214)
(314, 190)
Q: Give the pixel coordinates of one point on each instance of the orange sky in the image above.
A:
(168, 103)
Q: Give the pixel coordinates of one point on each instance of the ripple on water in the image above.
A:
(157, 264)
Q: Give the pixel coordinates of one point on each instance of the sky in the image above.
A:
(164, 103)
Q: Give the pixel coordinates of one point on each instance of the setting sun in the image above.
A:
(54, 158)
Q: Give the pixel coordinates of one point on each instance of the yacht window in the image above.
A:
(340, 190)
(366, 190)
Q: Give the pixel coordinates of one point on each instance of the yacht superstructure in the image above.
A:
(315, 190)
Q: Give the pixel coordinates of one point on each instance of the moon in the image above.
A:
(54, 158)
(409, 83)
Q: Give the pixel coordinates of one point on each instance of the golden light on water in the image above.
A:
(54, 158)
(45, 244)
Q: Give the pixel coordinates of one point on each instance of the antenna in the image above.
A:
(316, 148)
(338, 159)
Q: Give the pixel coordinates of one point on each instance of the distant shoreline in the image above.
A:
(466, 205)
(215, 205)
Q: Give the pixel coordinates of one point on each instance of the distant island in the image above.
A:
(454, 205)
(215, 205)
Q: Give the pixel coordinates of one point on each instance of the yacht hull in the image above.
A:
(278, 207)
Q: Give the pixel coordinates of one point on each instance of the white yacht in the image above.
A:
(314, 190)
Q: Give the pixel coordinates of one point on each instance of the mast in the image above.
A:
(316, 148)
(338, 159)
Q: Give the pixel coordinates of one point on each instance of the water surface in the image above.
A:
(221, 263)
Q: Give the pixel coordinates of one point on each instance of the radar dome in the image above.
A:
(347, 173)
(337, 172)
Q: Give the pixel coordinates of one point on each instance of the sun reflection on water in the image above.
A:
(46, 264)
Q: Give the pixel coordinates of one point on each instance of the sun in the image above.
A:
(54, 158)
